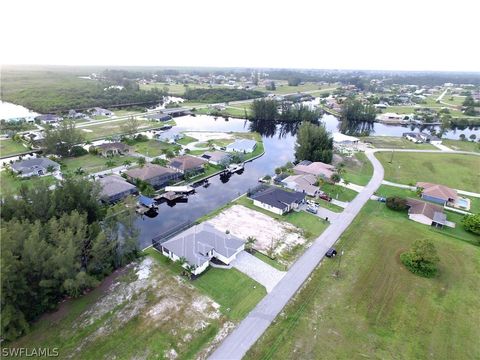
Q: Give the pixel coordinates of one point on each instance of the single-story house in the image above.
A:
(432, 139)
(200, 244)
(440, 194)
(216, 157)
(277, 200)
(155, 175)
(426, 213)
(169, 136)
(413, 137)
(115, 188)
(73, 114)
(49, 118)
(174, 112)
(316, 168)
(96, 111)
(159, 117)
(188, 164)
(114, 148)
(242, 145)
(302, 183)
(35, 167)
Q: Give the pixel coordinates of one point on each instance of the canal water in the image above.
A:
(279, 145)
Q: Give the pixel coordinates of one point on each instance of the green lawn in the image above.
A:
(358, 169)
(392, 142)
(9, 147)
(236, 293)
(454, 170)
(286, 89)
(104, 129)
(153, 148)
(377, 309)
(329, 206)
(210, 169)
(186, 140)
(173, 89)
(339, 192)
(11, 184)
(388, 191)
(93, 163)
(270, 261)
(462, 145)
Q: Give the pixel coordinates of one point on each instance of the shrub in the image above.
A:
(472, 223)
(422, 258)
(397, 203)
(78, 151)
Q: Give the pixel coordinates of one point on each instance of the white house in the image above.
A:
(200, 244)
(35, 167)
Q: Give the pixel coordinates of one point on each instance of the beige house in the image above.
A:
(426, 213)
(112, 149)
(314, 168)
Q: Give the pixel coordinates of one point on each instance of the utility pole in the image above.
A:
(391, 159)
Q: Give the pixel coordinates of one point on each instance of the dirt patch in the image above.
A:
(272, 236)
(203, 136)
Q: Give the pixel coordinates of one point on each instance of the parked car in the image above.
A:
(331, 252)
(312, 209)
(325, 197)
(382, 199)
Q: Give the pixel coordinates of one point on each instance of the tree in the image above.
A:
(314, 143)
(62, 139)
(396, 203)
(473, 137)
(127, 162)
(422, 258)
(141, 161)
(131, 126)
(355, 111)
(462, 137)
(249, 243)
(472, 223)
(335, 177)
(110, 163)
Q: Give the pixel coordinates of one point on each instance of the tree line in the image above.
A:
(57, 243)
(221, 95)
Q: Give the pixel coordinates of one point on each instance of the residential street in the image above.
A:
(253, 326)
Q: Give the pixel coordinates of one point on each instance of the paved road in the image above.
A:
(254, 325)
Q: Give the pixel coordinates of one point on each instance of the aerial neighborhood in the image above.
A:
(229, 213)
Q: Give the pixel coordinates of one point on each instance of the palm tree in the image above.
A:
(141, 161)
(110, 163)
(79, 171)
(127, 162)
(250, 243)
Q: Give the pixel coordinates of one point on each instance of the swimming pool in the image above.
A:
(464, 203)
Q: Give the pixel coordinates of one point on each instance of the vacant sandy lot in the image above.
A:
(272, 235)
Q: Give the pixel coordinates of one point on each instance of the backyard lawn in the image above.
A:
(392, 142)
(9, 147)
(358, 169)
(376, 308)
(186, 140)
(94, 163)
(462, 145)
(339, 192)
(104, 129)
(454, 170)
(153, 148)
(11, 184)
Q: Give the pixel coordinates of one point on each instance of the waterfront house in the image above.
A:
(49, 119)
(35, 167)
(242, 145)
(200, 244)
(96, 111)
(437, 193)
(159, 117)
(114, 188)
(114, 148)
(316, 168)
(217, 157)
(302, 183)
(155, 175)
(187, 164)
(277, 200)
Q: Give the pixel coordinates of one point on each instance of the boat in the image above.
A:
(180, 189)
(233, 168)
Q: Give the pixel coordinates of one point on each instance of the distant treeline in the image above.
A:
(51, 92)
(221, 95)
(58, 243)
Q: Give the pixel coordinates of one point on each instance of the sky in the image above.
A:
(339, 34)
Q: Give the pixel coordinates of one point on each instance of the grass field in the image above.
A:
(329, 206)
(391, 142)
(104, 129)
(286, 89)
(11, 184)
(378, 309)
(173, 89)
(462, 145)
(153, 148)
(339, 192)
(9, 147)
(454, 170)
(93, 163)
(270, 261)
(186, 140)
(358, 169)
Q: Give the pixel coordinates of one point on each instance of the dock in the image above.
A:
(170, 196)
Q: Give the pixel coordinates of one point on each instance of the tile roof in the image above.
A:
(438, 191)
(113, 185)
(423, 208)
(315, 168)
(29, 165)
(187, 162)
(149, 171)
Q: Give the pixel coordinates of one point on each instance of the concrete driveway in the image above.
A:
(258, 270)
